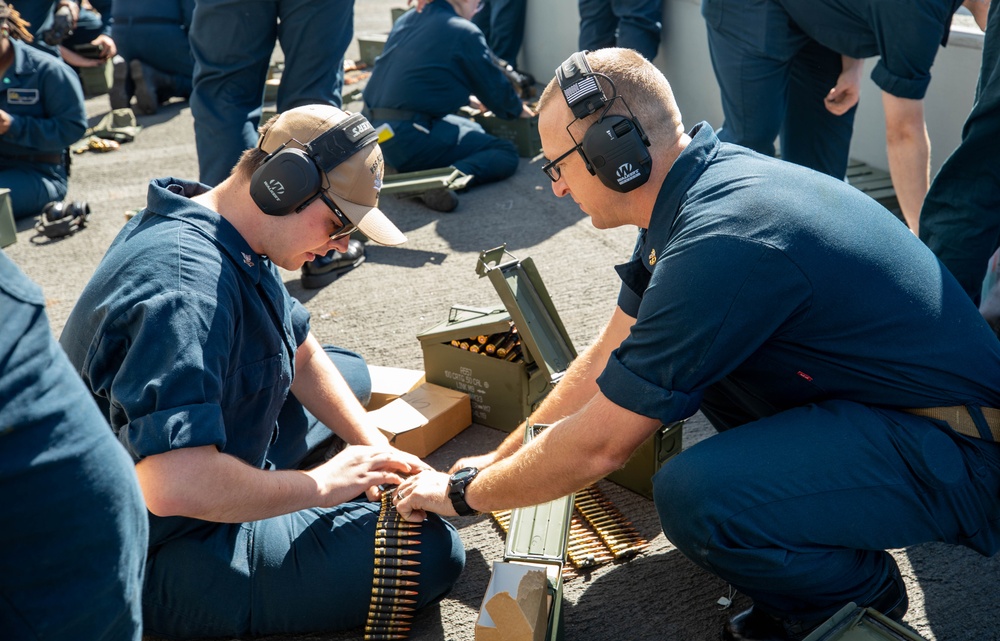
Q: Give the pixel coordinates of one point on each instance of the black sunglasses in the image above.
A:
(551, 168)
(346, 226)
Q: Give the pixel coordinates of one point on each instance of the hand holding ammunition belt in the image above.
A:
(394, 584)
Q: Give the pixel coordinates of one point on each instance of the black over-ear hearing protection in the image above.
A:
(289, 178)
(614, 147)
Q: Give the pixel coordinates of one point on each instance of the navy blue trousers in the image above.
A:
(797, 510)
(450, 141)
(960, 220)
(232, 42)
(32, 186)
(164, 47)
(308, 571)
(772, 89)
(502, 22)
(632, 24)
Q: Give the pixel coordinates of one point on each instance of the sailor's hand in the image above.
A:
(423, 493)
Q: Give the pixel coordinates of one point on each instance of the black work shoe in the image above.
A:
(756, 625)
(119, 94)
(146, 81)
(444, 200)
(326, 269)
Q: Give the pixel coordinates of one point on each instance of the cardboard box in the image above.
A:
(389, 383)
(523, 132)
(370, 46)
(424, 419)
(537, 539)
(637, 473)
(516, 605)
(8, 230)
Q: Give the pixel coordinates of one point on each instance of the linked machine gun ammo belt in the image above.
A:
(395, 584)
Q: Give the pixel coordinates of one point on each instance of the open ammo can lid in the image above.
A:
(530, 307)
(465, 322)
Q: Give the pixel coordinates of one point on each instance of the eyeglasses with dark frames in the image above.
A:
(346, 226)
(551, 168)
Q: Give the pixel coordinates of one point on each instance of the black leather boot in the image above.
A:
(756, 625)
(150, 84)
(326, 269)
(119, 94)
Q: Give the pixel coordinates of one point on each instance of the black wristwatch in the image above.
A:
(456, 490)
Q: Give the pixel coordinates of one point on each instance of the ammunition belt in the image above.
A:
(598, 532)
(959, 419)
(394, 584)
(380, 113)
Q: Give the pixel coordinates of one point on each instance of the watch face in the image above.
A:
(463, 474)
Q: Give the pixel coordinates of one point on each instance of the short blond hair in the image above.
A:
(643, 86)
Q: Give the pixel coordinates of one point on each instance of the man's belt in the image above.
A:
(960, 420)
(381, 113)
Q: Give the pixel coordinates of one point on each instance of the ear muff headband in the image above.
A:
(614, 148)
(290, 178)
(579, 85)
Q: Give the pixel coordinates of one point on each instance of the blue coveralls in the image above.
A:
(91, 23)
(797, 311)
(43, 96)
(776, 60)
(39, 15)
(75, 530)
(155, 32)
(431, 63)
(232, 42)
(632, 24)
(186, 338)
(502, 23)
(960, 220)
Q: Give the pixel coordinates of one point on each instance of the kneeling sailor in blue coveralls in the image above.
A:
(432, 62)
(41, 115)
(207, 371)
(855, 386)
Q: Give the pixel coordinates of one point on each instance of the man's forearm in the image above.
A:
(578, 384)
(324, 392)
(569, 455)
(909, 151)
(205, 484)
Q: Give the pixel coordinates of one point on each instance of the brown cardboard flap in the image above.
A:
(503, 617)
(424, 419)
(389, 383)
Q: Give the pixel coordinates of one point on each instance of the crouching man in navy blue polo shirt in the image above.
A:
(853, 382)
(208, 374)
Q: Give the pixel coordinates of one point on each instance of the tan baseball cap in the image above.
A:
(354, 184)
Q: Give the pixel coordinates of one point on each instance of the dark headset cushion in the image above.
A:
(284, 182)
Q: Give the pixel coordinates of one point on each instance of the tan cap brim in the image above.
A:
(372, 222)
